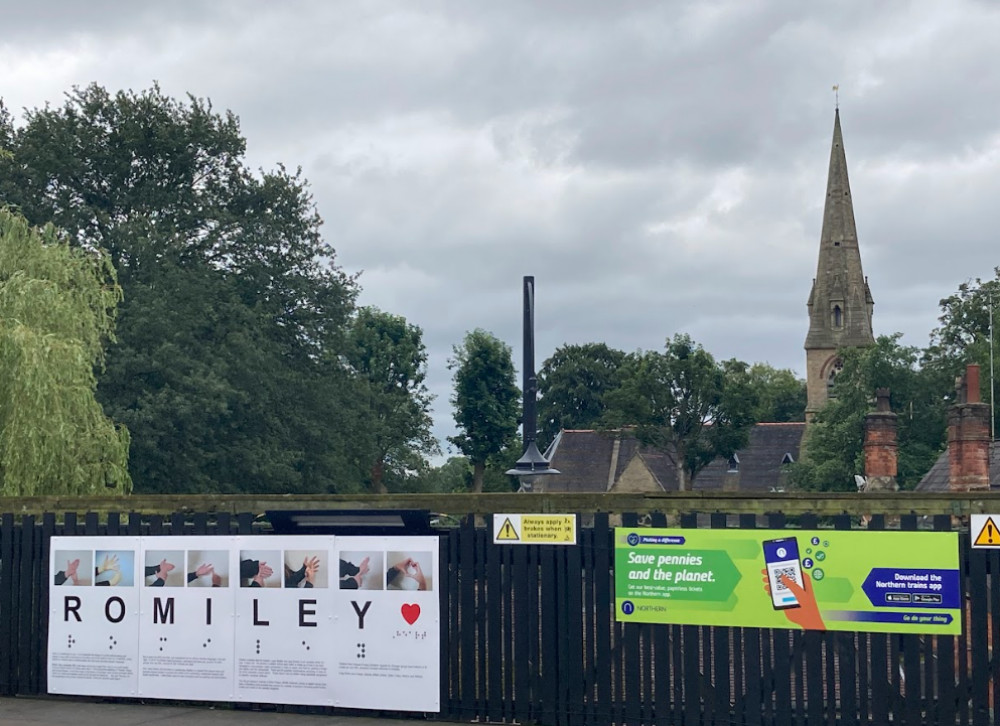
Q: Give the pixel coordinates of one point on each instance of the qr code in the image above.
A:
(780, 572)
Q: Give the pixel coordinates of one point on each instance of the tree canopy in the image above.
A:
(835, 439)
(963, 335)
(686, 405)
(572, 384)
(229, 364)
(57, 311)
(781, 397)
(485, 400)
(388, 356)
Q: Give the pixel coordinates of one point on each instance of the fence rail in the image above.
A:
(794, 503)
(529, 635)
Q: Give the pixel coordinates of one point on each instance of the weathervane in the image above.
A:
(836, 91)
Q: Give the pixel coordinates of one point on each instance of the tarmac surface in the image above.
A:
(57, 711)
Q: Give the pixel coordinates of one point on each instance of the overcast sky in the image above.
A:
(660, 167)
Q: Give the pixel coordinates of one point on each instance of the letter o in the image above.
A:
(107, 610)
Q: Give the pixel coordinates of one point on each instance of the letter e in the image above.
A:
(303, 611)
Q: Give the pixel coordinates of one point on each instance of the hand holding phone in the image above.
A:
(781, 557)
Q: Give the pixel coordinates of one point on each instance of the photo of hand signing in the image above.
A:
(304, 568)
(409, 571)
(207, 568)
(360, 571)
(73, 568)
(115, 568)
(164, 568)
(257, 568)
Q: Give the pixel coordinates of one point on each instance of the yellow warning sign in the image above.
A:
(507, 532)
(559, 529)
(989, 534)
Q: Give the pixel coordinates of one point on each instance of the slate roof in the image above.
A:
(760, 461)
(936, 480)
(584, 458)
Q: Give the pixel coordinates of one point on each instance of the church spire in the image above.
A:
(840, 304)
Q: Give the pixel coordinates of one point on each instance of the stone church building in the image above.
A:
(840, 309)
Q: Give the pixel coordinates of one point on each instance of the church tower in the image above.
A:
(840, 304)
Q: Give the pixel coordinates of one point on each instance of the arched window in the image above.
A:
(838, 316)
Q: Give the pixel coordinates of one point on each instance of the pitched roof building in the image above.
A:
(596, 461)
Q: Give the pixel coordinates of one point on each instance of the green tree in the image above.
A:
(963, 335)
(57, 311)
(685, 404)
(572, 385)
(228, 370)
(485, 400)
(835, 439)
(387, 355)
(454, 475)
(781, 396)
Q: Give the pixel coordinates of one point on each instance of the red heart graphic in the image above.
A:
(410, 612)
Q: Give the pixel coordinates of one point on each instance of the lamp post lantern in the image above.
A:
(532, 463)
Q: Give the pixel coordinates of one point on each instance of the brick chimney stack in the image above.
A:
(969, 437)
(881, 445)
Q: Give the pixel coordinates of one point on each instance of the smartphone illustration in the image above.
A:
(781, 556)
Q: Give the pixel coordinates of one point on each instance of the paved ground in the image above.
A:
(73, 712)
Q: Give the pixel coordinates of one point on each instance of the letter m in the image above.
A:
(163, 613)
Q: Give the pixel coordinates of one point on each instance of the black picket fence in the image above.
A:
(528, 634)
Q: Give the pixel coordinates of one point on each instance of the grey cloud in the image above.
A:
(660, 167)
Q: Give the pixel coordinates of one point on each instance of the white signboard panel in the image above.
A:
(93, 616)
(309, 620)
(283, 629)
(387, 620)
(186, 605)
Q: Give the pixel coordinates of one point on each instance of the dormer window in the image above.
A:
(734, 464)
(838, 316)
(787, 459)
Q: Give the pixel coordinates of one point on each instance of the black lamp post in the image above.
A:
(532, 463)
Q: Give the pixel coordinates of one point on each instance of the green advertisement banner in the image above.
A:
(884, 582)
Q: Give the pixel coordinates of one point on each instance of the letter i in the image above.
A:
(208, 611)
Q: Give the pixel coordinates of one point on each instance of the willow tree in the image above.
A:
(57, 311)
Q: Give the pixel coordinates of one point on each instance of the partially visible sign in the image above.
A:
(984, 530)
(558, 529)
